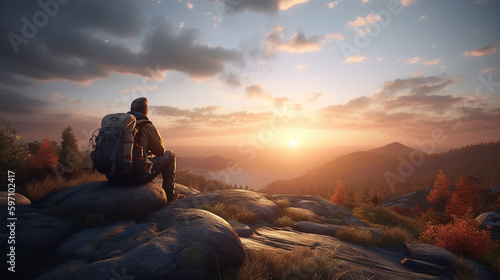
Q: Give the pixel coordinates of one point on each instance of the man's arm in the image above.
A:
(155, 142)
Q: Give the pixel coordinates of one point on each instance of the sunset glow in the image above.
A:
(253, 73)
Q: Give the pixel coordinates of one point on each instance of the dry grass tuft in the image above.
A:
(382, 216)
(463, 269)
(298, 214)
(282, 203)
(391, 236)
(40, 189)
(394, 235)
(358, 236)
(305, 262)
(284, 221)
(352, 275)
(233, 212)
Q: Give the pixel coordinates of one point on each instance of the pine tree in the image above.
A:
(13, 154)
(70, 157)
(441, 193)
(338, 194)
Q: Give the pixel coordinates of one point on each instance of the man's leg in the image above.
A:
(165, 165)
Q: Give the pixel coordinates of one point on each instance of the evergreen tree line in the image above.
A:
(37, 160)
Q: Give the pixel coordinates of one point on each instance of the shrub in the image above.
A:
(233, 212)
(462, 236)
(405, 211)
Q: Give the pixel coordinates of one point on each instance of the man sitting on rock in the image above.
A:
(149, 138)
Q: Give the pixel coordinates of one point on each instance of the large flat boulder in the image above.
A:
(326, 210)
(102, 202)
(255, 202)
(38, 233)
(172, 243)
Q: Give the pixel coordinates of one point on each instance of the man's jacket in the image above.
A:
(149, 137)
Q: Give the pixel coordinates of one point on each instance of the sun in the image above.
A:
(292, 143)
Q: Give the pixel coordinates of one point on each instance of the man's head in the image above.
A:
(140, 105)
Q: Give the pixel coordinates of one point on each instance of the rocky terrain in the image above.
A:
(99, 231)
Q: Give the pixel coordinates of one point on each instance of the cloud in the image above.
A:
(299, 66)
(331, 5)
(363, 25)
(410, 83)
(406, 3)
(354, 59)
(190, 5)
(66, 48)
(287, 4)
(412, 95)
(413, 108)
(260, 6)
(256, 91)
(231, 79)
(60, 98)
(490, 49)
(424, 62)
(487, 70)
(19, 104)
(298, 43)
(198, 121)
(313, 96)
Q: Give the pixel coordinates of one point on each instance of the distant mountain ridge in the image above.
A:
(393, 148)
(371, 169)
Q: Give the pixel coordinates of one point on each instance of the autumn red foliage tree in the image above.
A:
(462, 236)
(46, 156)
(338, 196)
(441, 193)
(465, 198)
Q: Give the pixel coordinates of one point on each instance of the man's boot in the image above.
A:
(171, 195)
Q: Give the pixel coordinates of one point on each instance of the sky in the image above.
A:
(256, 74)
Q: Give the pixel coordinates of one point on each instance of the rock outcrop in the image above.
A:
(492, 221)
(99, 231)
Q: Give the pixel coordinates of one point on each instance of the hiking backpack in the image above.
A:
(115, 151)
